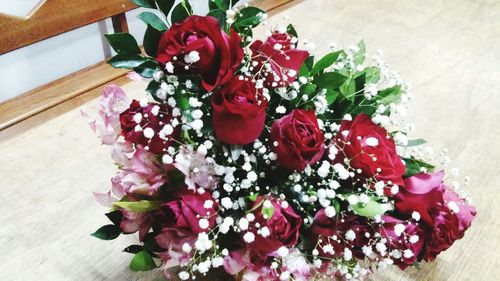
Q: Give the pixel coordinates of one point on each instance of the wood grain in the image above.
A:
(448, 50)
(55, 17)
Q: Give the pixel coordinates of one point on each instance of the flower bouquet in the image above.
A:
(255, 158)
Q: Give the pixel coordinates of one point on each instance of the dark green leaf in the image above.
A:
(107, 232)
(123, 43)
(248, 17)
(330, 80)
(308, 89)
(307, 66)
(331, 96)
(133, 249)
(165, 6)
(220, 15)
(142, 206)
(152, 87)
(370, 209)
(147, 69)
(152, 20)
(145, 3)
(142, 261)
(222, 5)
(359, 57)
(151, 40)
(115, 217)
(414, 166)
(126, 61)
(416, 142)
(181, 11)
(416, 265)
(290, 29)
(325, 62)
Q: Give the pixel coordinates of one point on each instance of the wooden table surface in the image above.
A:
(449, 50)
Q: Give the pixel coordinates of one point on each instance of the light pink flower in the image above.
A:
(198, 170)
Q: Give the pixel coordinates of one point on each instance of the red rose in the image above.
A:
(406, 245)
(282, 229)
(184, 213)
(278, 62)
(239, 112)
(146, 126)
(445, 216)
(300, 140)
(368, 148)
(216, 55)
(333, 232)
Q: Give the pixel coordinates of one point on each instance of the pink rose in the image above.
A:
(299, 138)
(278, 62)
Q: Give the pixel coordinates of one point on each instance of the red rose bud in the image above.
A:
(149, 125)
(445, 216)
(404, 240)
(186, 213)
(277, 60)
(199, 43)
(279, 230)
(368, 148)
(299, 140)
(238, 112)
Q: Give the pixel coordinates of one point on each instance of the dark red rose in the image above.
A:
(219, 54)
(370, 149)
(444, 215)
(278, 62)
(300, 140)
(239, 112)
(282, 229)
(338, 233)
(405, 246)
(145, 126)
(184, 213)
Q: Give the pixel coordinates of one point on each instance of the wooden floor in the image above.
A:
(449, 50)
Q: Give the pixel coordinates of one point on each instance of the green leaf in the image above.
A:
(331, 96)
(416, 142)
(370, 209)
(325, 62)
(248, 17)
(307, 66)
(308, 89)
(290, 29)
(151, 40)
(142, 261)
(147, 69)
(152, 20)
(165, 6)
(181, 11)
(330, 80)
(416, 265)
(115, 217)
(414, 166)
(372, 74)
(268, 212)
(359, 58)
(389, 95)
(220, 15)
(107, 232)
(145, 3)
(142, 206)
(123, 43)
(133, 249)
(222, 5)
(253, 197)
(126, 61)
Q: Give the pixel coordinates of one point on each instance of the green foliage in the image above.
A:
(220, 15)
(181, 11)
(307, 66)
(107, 232)
(165, 6)
(248, 17)
(151, 40)
(359, 58)
(147, 69)
(152, 20)
(123, 43)
(290, 29)
(268, 212)
(330, 80)
(145, 3)
(325, 62)
(115, 217)
(414, 166)
(142, 206)
(370, 209)
(389, 95)
(133, 249)
(142, 261)
(416, 142)
(126, 61)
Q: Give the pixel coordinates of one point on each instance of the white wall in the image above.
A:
(43, 62)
